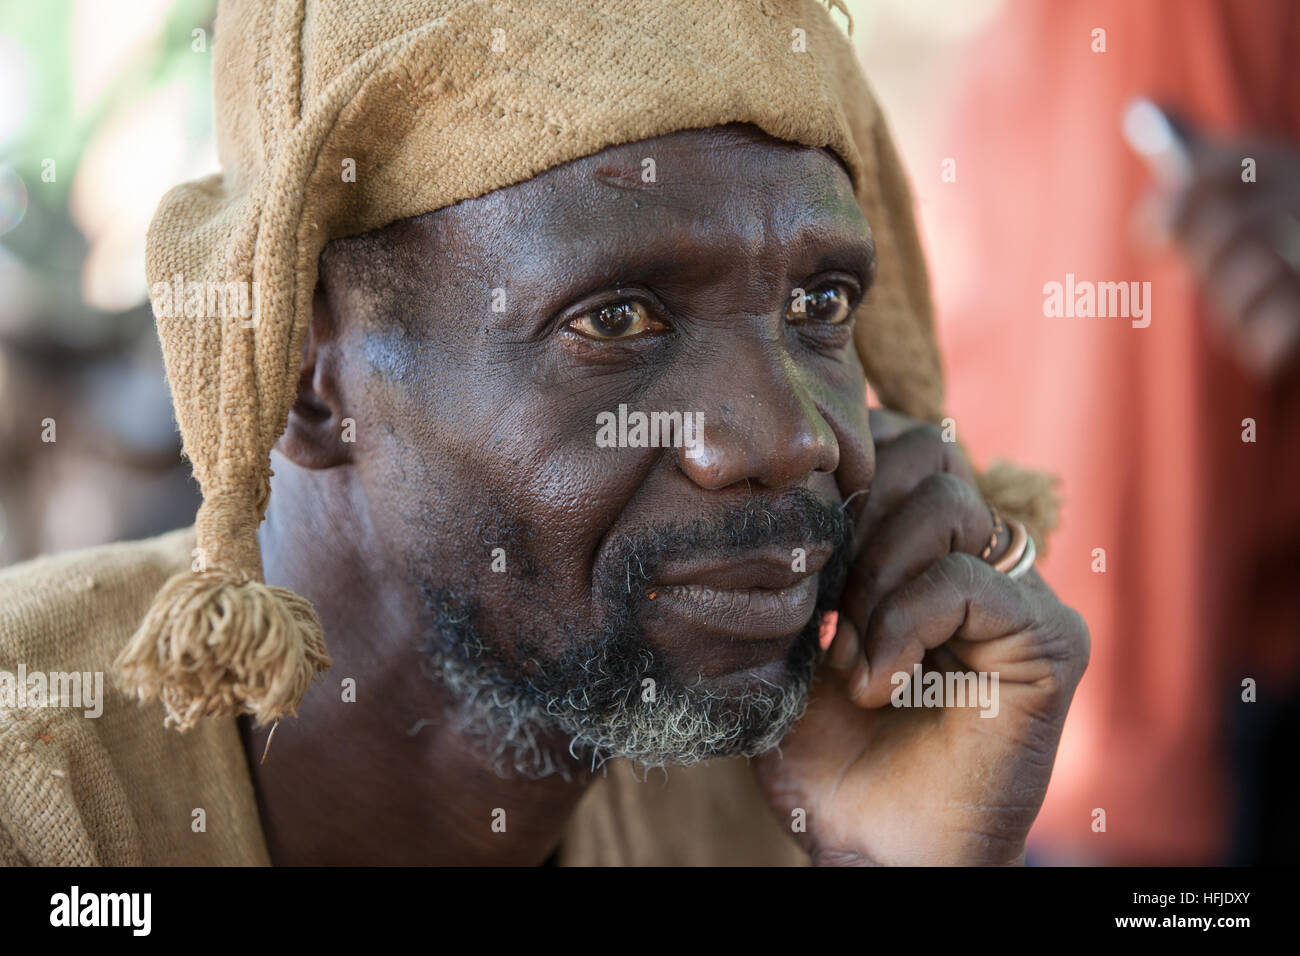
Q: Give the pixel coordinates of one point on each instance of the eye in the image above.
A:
(625, 319)
(830, 303)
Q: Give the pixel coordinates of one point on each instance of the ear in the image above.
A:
(314, 435)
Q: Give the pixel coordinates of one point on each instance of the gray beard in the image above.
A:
(614, 712)
(607, 693)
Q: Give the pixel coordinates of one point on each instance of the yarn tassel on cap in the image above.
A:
(218, 642)
(1028, 496)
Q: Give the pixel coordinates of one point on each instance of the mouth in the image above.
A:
(760, 597)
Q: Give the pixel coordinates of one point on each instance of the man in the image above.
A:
(483, 242)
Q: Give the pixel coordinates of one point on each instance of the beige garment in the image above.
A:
(117, 789)
(708, 815)
(120, 789)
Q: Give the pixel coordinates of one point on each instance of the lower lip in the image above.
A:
(754, 613)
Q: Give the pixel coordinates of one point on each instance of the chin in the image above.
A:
(769, 667)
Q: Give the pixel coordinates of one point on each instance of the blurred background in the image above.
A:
(103, 107)
(1179, 541)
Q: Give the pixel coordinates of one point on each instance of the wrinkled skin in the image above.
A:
(474, 428)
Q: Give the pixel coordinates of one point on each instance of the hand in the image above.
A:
(881, 784)
(1243, 240)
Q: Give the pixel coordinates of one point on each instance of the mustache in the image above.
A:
(795, 519)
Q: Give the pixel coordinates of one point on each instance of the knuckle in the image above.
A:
(948, 489)
(1064, 642)
(960, 569)
(928, 433)
(871, 566)
(1081, 639)
(925, 444)
(890, 622)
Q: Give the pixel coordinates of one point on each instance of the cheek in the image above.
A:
(542, 460)
(558, 505)
(501, 494)
(570, 493)
(843, 402)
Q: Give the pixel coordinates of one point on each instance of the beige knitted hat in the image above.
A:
(339, 117)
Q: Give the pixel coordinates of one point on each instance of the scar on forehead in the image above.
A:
(619, 177)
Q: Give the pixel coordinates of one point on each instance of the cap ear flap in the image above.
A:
(895, 333)
(217, 641)
(1030, 497)
(895, 328)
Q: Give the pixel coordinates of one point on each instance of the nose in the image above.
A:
(760, 425)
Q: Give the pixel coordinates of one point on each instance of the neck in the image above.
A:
(375, 769)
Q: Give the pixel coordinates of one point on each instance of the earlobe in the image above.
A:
(314, 436)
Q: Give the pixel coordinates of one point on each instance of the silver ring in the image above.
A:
(1021, 567)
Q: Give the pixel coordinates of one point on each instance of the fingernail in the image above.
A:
(858, 683)
(844, 652)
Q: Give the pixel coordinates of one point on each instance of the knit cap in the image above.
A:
(337, 117)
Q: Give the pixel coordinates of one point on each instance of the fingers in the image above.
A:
(1218, 165)
(1232, 232)
(924, 526)
(942, 514)
(887, 425)
(1256, 293)
(844, 649)
(1270, 340)
(902, 463)
(959, 596)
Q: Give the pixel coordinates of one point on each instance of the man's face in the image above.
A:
(655, 602)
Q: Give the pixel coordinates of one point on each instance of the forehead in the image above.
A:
(686, 192)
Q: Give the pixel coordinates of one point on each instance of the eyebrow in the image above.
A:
(672, 251)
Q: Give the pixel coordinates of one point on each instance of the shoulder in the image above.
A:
(87, 774)
(80, 607)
